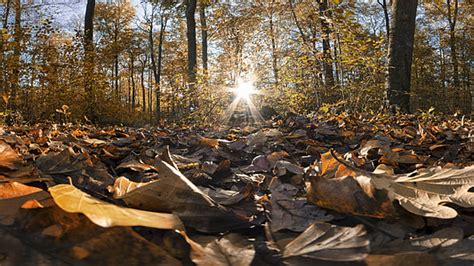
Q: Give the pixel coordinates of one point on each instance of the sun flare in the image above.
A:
(244, 90)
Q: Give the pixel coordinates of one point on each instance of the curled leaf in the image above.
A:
(104, 214)
(324, 241)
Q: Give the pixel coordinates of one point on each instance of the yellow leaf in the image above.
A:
(104, 214)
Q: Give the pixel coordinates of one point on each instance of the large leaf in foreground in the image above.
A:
(104, 214)
(424, 193)
(173, 192)
(324, 241)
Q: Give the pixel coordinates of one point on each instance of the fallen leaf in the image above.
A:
(173, 192)
(9, 159)
(290, 212)
(123, 185)
(324, 241)
(105, 214)
(423, 193)
(427, 192)
(208, 142)
(85, 171)
(13, 197)
(232, 249)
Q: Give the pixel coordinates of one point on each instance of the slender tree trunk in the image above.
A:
(328, 68)
(161, 40)
(15, 80)
(142, 83)
(3, 81)
(129, 98)
(150, 93)
(132, 76)
(203, 20)
(6, 14)
(402, 34)
(273, 43)
(116, 76)
(383, 4)
(452, 19)
(89, 57)
(191, 37)
(156, 66)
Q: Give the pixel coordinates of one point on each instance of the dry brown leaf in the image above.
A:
(289, 212)
(232, 249)
(85, 170)
(123, 185)
(13, 196)
(105, 214)
(14, 189)
(322, 241)
(208, 142)
(173, 192)
(9, 159)
(348, 193)
(427, 192)
(424, 193)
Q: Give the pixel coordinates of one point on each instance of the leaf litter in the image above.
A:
(350, 188)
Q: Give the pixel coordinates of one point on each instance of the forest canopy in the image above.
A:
(140, 62)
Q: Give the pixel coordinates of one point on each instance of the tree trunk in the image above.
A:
(116, 78)
(328, 68)
(191, 37)
(132, 76)
(156, 66)
(3, 81)
(15, 80)
(273, 43)
(6, 14)
(203, 20)
(89, 56)
(142, 83)
(161, 39)
(402, 34)
(452, 19)
(383, 4)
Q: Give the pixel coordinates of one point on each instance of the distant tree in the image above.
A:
(452, 19)
(17, 34)
(402, 33)
(89, 55)
(203, 20)
(326, 31)
(191, 38)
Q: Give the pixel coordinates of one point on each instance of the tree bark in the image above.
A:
(89, 56)
(203, 20)
(15, 80)
(328, 68)
(156, 66)
(6, 14)
(161, 39)
(142, 83)
(402, 34)
(132, 76)
(452, 19)
(383, 4)
(191, 37)
(273, 43)
(116, 78)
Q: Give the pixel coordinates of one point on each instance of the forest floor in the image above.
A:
(335, 189)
